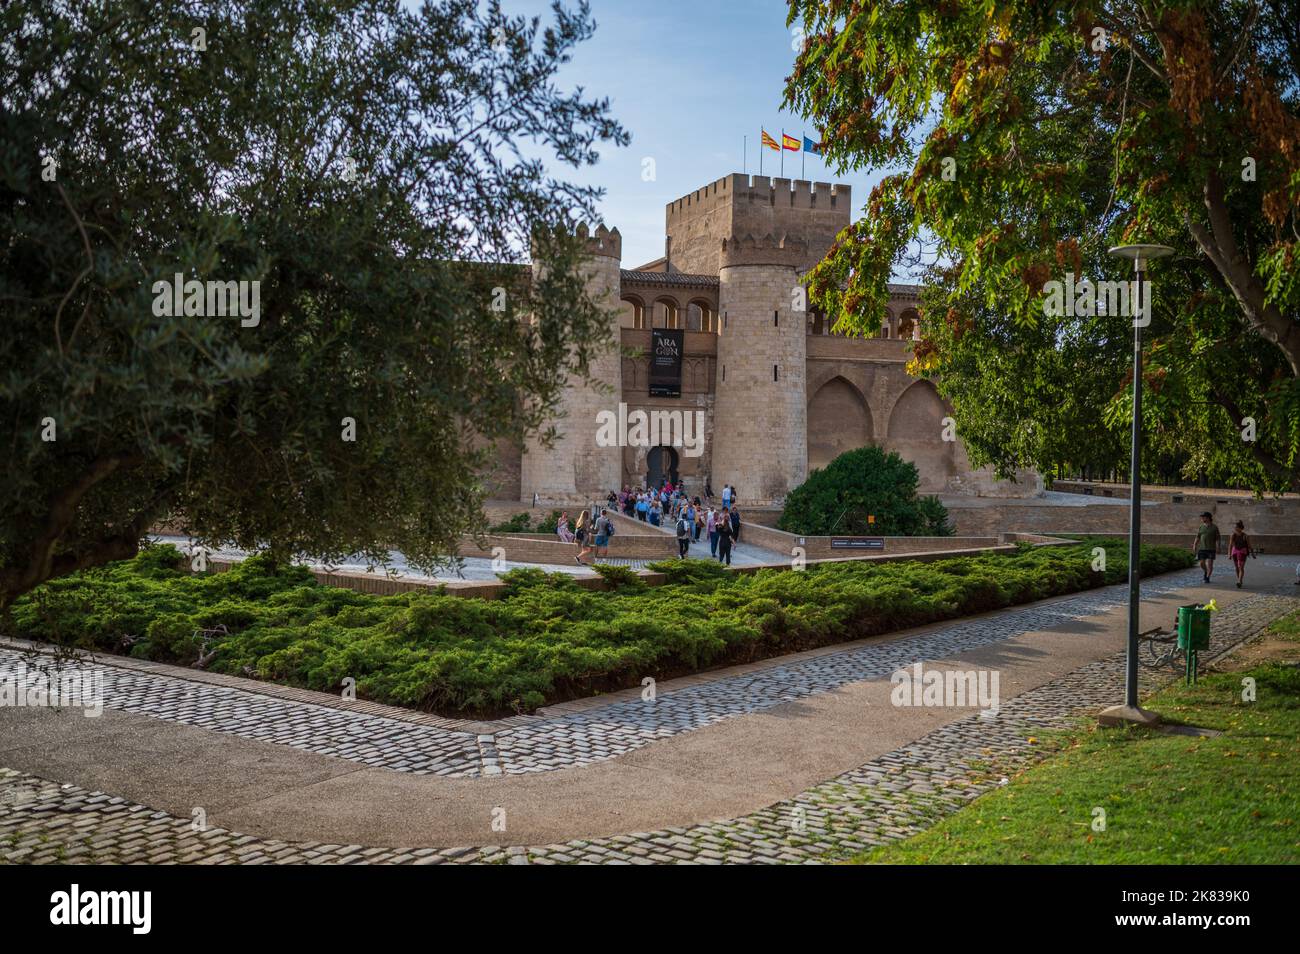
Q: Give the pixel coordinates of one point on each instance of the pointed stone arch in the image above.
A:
(916, 432)
(839, 420)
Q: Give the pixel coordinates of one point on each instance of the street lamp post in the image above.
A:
(1130, 711)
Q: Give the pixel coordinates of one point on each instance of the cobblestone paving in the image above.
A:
(573, 739)
(609, 731)
(372, 740)
(894, 796)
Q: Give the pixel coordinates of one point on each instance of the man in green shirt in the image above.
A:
(1207, 544)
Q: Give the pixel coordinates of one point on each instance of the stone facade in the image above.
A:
(575, 464)
(775, 390)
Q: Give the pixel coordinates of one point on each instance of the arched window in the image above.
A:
(700, 316)
(633, 313)
(907, 325)
(666, 315)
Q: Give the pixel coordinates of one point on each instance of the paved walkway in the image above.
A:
(752, 746)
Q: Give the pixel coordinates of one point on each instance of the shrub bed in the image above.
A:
(547, 639)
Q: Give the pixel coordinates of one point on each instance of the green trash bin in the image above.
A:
(1193, 627)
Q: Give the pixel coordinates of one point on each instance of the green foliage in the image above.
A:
(381, 170)
(521, 523)
(547, 638)
(622, 579)
(1027, 151)
(863, 483)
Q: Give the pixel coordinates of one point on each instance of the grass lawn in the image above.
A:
(1168, 799)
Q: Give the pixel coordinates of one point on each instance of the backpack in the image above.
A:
(609, 527)
(683, 530)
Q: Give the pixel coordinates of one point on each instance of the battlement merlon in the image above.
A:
(602, 241)
(795, 193)
(747, 250)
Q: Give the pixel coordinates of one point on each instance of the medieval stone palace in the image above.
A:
(764, 391)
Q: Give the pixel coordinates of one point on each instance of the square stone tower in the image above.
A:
(740, 205)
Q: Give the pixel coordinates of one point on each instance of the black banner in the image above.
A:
(666, 345)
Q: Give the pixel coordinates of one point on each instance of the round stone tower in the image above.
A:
(760, 438)
(575, 468)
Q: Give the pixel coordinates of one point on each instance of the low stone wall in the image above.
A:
(819, 547)
(1259, 516)
(1196, 495)
(1285, 543)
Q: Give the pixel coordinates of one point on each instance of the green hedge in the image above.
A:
(548, 639)
(864, 491)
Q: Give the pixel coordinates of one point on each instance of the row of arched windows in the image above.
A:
(666, 313)
(904, 327)
(700, 315)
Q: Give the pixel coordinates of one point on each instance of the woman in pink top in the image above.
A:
(1239, 548)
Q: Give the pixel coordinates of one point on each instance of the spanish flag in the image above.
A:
(789, 142)
(768, 141)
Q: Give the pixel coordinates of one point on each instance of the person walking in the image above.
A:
(580, 531)
(642, 507)
(562, 529)
(735, 520)
(1207, 544)
(711, 526)
(724, 537)
(604, 533)
(683, 536)
(726, 496)
(1239, 549)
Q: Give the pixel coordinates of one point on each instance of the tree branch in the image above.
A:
(1220, 244)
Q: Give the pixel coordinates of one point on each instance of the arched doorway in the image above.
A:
(661, 462)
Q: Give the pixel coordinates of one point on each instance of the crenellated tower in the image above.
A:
(760, 441)
(575, 469)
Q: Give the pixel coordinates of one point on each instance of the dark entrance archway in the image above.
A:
(662, 462)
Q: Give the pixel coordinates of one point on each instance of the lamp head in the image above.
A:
(1141, 254)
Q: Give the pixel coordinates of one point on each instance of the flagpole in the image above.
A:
(803, 159)
(745, 153)
(760, 158)
(782, 152)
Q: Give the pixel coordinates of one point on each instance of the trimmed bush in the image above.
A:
(547, 639)
(859, 484)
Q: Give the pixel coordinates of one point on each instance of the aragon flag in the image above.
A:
(768, 141)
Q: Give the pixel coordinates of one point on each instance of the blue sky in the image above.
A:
(688, 80)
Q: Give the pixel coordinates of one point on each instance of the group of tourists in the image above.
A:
(664, 506)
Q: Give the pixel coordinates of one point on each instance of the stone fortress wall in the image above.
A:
(778, 391)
